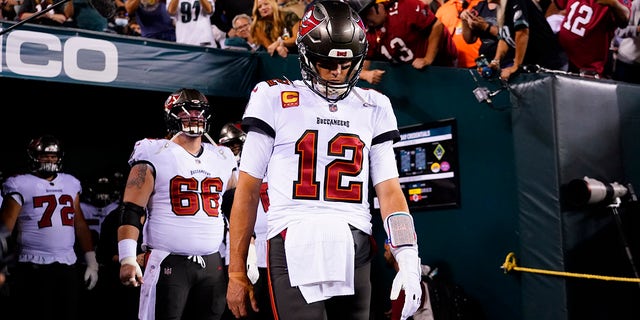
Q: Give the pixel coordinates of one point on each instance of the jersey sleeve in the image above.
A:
(139, 152)
(258, 115)
(420, 16)
(10, 188)
(385, 123)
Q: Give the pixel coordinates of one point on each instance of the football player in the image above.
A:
(317, 141)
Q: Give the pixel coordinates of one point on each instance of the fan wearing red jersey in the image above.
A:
(587, 30)
(175, 189)
(319, 141)
(406, 31)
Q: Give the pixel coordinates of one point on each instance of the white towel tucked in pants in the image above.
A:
(320, 258)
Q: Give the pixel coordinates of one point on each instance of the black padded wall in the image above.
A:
(566, 128)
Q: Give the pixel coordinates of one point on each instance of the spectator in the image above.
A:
(480, 23)
(318, 167)
(85, 16)
(400, 33)
(180, 181)
(274, 29)
(8, 10)
(295, 6)
(193, 21)
(120, 22)
(525, 30)
(587, 31)
(628, 56)
(54, 17)
(43, 206)
(153, 19)
(242, 39)
(226, 10)
(449, 13)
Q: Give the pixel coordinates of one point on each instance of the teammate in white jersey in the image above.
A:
(175, 185)
(43, 207)
(233, 137)
(318, 141)
(193, 21)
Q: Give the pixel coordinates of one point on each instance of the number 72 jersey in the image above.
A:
(320, 158)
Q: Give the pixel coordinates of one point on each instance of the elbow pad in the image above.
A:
(130, 214)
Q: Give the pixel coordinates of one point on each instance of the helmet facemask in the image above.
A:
(233, 138)
(331, 91)
(331, 32)
(190, 119)
(45, 146)
(187, 112)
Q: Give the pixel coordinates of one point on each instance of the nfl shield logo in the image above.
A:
(333, 107)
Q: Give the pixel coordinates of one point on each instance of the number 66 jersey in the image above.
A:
(184, 215)
(320, 160)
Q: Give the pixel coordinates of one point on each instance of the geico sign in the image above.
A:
(49, 64)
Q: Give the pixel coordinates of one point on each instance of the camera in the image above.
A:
(482, 64)
(591, 191)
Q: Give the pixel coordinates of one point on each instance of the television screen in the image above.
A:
(427, 159)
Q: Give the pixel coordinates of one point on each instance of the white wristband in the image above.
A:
(127, 248)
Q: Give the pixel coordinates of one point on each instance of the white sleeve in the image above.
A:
(256, 153)
(382, 162)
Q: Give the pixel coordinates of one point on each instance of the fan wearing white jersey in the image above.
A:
(43, 207)
(318, 142)
(193, 21)
(175, 186)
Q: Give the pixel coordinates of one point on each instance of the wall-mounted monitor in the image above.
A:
(427, 160)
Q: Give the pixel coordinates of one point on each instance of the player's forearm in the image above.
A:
(390, 197)
(242, 221)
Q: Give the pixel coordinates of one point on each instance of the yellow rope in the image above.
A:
(510, 264)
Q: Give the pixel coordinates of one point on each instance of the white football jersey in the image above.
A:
(320, 159)
(193, 25)
(95, 215)
(45, 224)
(183, 211)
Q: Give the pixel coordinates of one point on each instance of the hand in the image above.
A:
(91, 273)
(282, 51)
(408, 279)
(506, 73)
(130, 272)
(238, 290)
(252, 265)
(372, 76)
(420, 63)
(272, 48)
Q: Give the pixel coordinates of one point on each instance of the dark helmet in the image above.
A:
(186, 100)
(230, 133)
(233, 137)
(46, 144)
(331, 31)
(102, 192)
